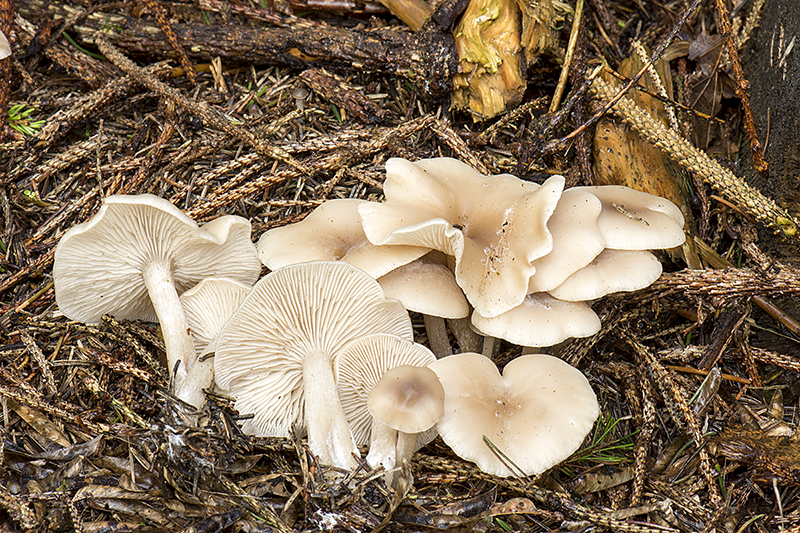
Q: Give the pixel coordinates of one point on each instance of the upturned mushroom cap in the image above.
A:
(537, 413)
(426, 286)
(98, 264)
(208, 305)
(332, 232)
(407, 398)
(359, 368)
(494, 226)
(541, 320)
(611, 271)
(5, 46)
(635, 220)
(282, 341)
(576, 240)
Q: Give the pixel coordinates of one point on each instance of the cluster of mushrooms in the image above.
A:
(323, 343)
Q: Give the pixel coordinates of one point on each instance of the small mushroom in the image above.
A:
(332, 232)
(208, 305)
(537, 413)
(611, 271)
(404, 402)
(134, 258)
(494, 226)
(5, 46)
(541, 320)
(275, 355)
(427, 286)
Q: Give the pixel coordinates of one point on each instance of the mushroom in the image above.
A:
(537, 413)
(611, 271)
(134, 258)
(5, 46)
(208, 305)
(332, 232)
(541, 320)
(427, 286)
(494, 226)
(405, 402)
(576, 240)
(275, 355)
(636, 220)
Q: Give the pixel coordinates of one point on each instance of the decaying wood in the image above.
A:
(425, 59)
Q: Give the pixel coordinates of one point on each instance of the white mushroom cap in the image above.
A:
(5, 46)
(359, 367)
(426, 286)
(332, 232)
(576, 240)
(208, 305)
(276, 353)
(98, 264)
(611, 271)
(494, 226)
(537, 413)
(636, 220)
(541, 320)
(137, 255)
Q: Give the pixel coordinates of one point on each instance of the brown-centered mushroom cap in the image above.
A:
(332, 232)
(360, 366)
(407, 398)
(370, 364)
(276, 353)
(494, 226)
(537, 413)
(611, 271)
(541, 320)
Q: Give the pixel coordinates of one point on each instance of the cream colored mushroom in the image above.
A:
(332, 232)
(275, 355)
(427, 286)
(541, 320)
(636, 220)
(537, 413)
(208, 306)
(611, 271)
(576, 240)
(135, 257)
(494, 226)
(359, 368)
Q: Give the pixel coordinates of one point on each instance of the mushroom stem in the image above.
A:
(437, 336)
(199, 377)
(491, 346)
(406, 442)
(382, 442)
(174, 327)
(468, 340)
(329, 436)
